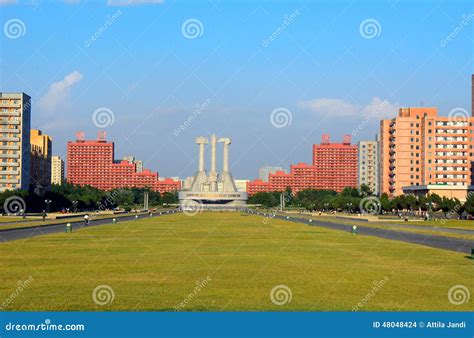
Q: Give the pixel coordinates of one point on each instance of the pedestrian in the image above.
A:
(86, 219)
(44, 215)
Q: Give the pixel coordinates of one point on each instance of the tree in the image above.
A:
(170, 198)
(469, 204)
(385, 202)
(267, 199)
(449, 205)
(365, 190)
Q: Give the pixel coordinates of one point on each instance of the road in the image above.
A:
(434, 241)
(27, 232)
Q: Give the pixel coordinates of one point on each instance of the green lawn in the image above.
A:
(6, 219)
(39, 222)
(402, 226)
(156, 264)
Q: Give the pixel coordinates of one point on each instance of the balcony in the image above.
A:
(8, 130)
(11, 104)
(9, 164)
(2, 147)
(9, 172)
(8, 138)
(9, 122)
(9, 180)
(9, 113)
(9, 155)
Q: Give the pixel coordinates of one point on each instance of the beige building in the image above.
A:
(241, 185)
(15, 120)
(138, 163)
(368, 165)
(40, 163)
(57, 170)
(420, 148)
(450, 191)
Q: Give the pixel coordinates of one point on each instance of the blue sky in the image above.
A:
(312, 62)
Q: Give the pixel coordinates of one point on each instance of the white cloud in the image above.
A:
(8, 2)
(381, 108)
(340, 108)
(132, 2)
(333, 107)
(58, 92)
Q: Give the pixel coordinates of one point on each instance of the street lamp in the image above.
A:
(428, 209)
(74, 205)
(349, 207)
(47, 205)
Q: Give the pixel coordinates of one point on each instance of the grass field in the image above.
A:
(39, 222)
(405, 226)
(224, 262)
(6, 219)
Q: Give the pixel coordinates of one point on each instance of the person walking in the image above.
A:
(86, 219)
(44, 215)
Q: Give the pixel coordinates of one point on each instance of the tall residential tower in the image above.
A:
(57, 170)
(420, 150)
(40, 164)
(368, 172)
(15, 121)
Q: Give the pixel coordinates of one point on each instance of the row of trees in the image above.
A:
(71, 197)
(362, 200)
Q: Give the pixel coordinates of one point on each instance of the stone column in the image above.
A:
(213, 153)
(225, 157)
(201, 141)
(213, 171)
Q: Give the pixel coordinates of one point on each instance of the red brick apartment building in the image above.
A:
(334, 168)
(336, 164)
(91, 162)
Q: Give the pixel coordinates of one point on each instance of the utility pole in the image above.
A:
(282, 201)
(145, 200)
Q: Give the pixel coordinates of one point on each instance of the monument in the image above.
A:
(214, 191)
